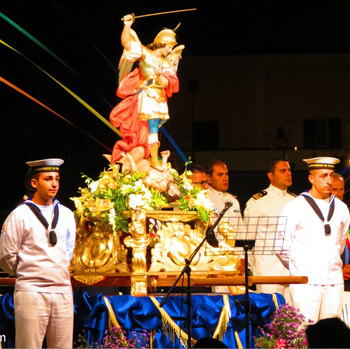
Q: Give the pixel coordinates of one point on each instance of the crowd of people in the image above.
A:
(315, 237)
(38, 237)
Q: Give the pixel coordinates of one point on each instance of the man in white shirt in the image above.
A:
(314, 239)
(218, 180)
(260, 214)
(36, 245)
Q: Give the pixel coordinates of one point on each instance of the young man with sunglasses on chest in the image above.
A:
(36, 245)
(314, 239)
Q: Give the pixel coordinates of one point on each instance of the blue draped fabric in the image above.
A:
(91, 316)
(7, 320)
(138, 313)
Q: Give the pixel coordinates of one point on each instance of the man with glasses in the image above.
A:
(314, 239)
(198, 177)
(36, 245)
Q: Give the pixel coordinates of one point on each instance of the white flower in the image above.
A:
(93, 186)
(136, 200)
(202, 200)
(188, 186)
(111, 215)
(77, 203)
(138, 185)
(111, 218)
(125, 188)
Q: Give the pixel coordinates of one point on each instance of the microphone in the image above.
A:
(210, 230)
(228, 204)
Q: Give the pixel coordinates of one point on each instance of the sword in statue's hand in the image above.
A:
(160, 13)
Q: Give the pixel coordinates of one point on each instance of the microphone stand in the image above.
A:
(187, 269)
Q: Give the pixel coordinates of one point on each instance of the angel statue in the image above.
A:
(145, 91)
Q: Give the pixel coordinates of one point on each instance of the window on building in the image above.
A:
(322, 133)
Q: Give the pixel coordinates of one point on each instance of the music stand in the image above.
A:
(258, 235)
(255, 235)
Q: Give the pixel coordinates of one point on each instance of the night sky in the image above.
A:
(85, 35)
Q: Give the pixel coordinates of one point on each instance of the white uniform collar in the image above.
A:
(216, 192)
(277, 190)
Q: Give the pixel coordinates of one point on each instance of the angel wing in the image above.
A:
(125, 65)
(174, 57)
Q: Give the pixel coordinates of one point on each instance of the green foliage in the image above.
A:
(115, 192)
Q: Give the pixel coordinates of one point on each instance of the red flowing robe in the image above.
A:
(124, 115)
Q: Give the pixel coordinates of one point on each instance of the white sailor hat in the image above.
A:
(45, 165)
(321, 163)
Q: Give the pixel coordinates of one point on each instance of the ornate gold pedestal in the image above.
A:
(99, 252)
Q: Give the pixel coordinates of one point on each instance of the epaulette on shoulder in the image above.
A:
(290, 193)
(259, 195)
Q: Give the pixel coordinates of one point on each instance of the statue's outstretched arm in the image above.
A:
(126, 33)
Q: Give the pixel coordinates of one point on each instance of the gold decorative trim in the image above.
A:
(112, 319)
(223, 319)
(89, 279)
(174, 328)
(274, 298)
(160, 242)
(238, 340)
(167, 216)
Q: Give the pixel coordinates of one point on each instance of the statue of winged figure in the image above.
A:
(144, 91)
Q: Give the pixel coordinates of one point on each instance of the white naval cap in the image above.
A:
(45, 165)
(321, 163)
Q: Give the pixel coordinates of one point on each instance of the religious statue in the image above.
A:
(145, 91)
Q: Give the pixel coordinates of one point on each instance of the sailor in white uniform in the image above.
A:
(314, 239)
(36, 245)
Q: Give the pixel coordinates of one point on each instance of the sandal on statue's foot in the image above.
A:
(159, 169)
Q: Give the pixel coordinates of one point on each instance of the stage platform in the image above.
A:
(212, 315)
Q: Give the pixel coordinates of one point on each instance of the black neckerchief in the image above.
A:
(36, 210)
(311, 201)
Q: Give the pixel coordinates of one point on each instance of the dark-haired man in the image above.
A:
(218, 180)
(36, 245)
(198, 176)
(261, 212)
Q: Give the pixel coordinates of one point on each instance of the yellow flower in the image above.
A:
(104, 204)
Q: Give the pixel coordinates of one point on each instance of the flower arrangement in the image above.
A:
(114, 192)
(286, 330)
(116, 338)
